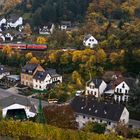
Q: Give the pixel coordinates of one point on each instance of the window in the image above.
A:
(92, 118)
(117, 90)
(123, 86)
(109, 123)
(126, 91)
(40, 87)
(100, 120)
(84, 117)
(120, 90)
(95, 93)
(88, 44)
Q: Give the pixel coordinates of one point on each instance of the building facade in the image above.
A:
(28, 71)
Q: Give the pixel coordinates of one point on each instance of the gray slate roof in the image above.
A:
(96, 81)
(90, 106)
(40, 75)
(29, 67)
(87, 37)
(13, 99)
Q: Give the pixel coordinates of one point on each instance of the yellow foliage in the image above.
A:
(8, 51)
(29, 55)
(34, 60)
(41, 40)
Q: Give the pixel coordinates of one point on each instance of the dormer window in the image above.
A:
(30, 71)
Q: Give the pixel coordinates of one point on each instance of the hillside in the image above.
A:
(38, 12)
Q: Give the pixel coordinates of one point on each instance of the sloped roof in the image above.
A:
(90, 106)
(13, 99)
(29, 67)
(52, 72)
(40, 75)
(96, 81)
(87, 37)
(130, 82)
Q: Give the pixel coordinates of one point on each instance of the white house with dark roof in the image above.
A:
(95, 87)
(90, 41)
(47, 30)
(3, 71)
(8, 37)
(14, 22)
(65, 25)
(2, 21)
(44, 79)
(121, 92)
(87, 109)
(17, 107)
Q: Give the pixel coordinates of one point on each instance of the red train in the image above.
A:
(25, 46)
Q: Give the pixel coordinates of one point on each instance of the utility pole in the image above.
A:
(40, 114)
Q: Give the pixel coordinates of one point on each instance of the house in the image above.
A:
(14, 22)
(8, 37)
(3, 71)
(2, 38)
(44, 79)
(118, 88)
(2, 21)
(65, 25)
(95, 87)
(28, 71)
(47, 30)
(17, 107)
(121, 92)
(87, 109)
(90, 41)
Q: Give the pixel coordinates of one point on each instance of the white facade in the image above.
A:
(42, 85)
(2, 37)
(121, 92)
(90, 42)
(63, 27)
(46, 31)
(82, 119)
(92, 90)
(19, 22)
(3, 21)
(18, 106)
(8, 35)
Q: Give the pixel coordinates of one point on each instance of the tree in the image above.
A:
(60, 116)
(134, 97)
(34, 60)
(41, 40)
(29, 55)
(101, 56)
(27, 29)
(76, 78)
(95, 127)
